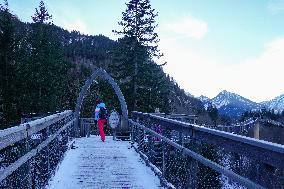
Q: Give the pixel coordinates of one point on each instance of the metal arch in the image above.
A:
(103, 74)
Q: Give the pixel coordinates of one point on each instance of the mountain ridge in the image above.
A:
(233, 104)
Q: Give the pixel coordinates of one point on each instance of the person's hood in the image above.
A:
(101, 105)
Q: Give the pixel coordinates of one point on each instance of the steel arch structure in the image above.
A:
(104, 75)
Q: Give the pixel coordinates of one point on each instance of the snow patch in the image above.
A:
(97, 164)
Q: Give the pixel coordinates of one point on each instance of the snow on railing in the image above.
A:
(31, 151)
(239, 127)
(189, 155)
(244, 126)
(276, 123)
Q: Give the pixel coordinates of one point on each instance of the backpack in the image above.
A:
(103, 114)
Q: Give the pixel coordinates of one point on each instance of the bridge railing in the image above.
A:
(88, 126)
(276, 123)
(238, 128)
(179, 117)
(30, 152)
(190, 156)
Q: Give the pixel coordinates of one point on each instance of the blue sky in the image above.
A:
(237, 45)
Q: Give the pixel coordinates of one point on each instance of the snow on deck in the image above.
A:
(98, 165)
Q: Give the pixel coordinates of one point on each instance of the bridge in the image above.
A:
(254, 126)
(156, 151)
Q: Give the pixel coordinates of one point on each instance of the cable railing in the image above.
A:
(247, 124)
(239, 128)
(30, 152)
(183, 154)
(275, 123)
(191, 156)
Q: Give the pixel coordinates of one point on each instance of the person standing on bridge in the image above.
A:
(101, 117)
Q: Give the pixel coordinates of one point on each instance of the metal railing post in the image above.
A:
(88, 129)
(132, 133)
(48, 154)
(193, 166)
(181, 138)
(164, 160)
(256, 130)
(27, 145)
(192, 177)
(165, 152)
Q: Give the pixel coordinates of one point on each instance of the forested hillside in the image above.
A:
(44, 66)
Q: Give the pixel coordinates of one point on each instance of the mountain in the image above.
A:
(276, 104)
(188, 94)
(205, 100)
(234, 105)
(230, 104)
(225, 98)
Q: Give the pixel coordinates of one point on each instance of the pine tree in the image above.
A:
(139, 37)
(138, 23)
(8, 69)
(213, 113)
(46, 69)
(41, 15)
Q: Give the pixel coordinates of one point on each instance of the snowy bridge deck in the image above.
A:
(96, 164)
(30, 154)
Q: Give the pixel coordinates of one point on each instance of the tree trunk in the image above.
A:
(135, 85)
(135, 64)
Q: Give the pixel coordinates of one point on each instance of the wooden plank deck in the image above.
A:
(98, 165)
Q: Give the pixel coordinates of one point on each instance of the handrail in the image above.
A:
(242, 124)
(12, 135)
(276, 123)
(273, 147)
(14, 166)
(203, 160)
(259, 151)
(28, 150)
(248, 140)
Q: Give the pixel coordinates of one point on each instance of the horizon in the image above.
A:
(239, 95)
(209, 46)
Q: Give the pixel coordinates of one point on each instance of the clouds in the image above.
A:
(77, 25)
(195, 71)
(262, 76)
(189, 27)
(251, 65)
(257, 78)
(219, 49)
(69, 16)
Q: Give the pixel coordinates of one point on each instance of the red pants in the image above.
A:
(101, 123)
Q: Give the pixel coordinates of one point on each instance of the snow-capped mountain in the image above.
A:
(205, 100)
(230, 104)
(233, 104)
(276, 104)
(225, 98)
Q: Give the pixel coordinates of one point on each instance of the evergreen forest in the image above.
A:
(43, 67)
